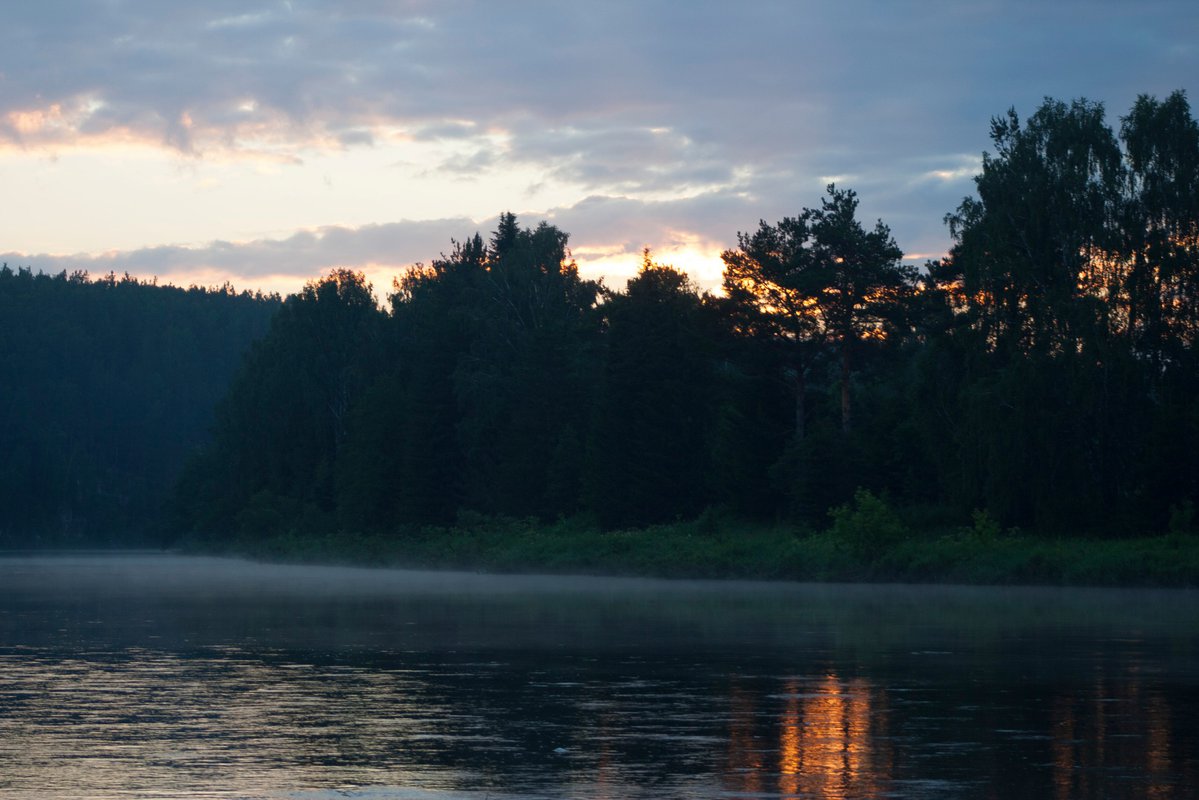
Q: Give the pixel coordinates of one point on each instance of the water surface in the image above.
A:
(151, 676)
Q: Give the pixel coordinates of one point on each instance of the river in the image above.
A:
(162, 676)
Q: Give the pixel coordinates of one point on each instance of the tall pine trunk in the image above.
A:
(800, 408)
(845, 385)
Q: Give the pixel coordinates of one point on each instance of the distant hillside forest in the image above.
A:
(107, 387)
(1045, 372)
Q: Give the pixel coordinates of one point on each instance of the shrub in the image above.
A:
(985, 528)
(867, 525)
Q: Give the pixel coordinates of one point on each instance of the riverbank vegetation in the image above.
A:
(867, 541)
(1022, 409)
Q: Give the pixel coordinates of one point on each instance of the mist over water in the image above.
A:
(150, 676)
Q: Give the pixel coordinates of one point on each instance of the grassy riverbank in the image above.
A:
(865, 542)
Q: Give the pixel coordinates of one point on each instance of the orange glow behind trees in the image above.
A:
(815, 281)
(1074, 279)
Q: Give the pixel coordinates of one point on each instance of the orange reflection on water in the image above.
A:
(744, 756)
(1064, 737)
(790, 748)
(1114, 727)
(826, 734)
(1157, 750)
(834, 741)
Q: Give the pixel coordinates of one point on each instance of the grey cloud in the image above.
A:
(705, 67)
(303, 254)
(779, 91)
(350, 138)
(472, 164)
(446, 130)
(910, 200)
(634, 224)
(629, 159)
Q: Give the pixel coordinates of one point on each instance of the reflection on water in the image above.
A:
(831, 741)
(194, 678)
(1119, 725)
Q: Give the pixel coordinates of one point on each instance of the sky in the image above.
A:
(264, 142)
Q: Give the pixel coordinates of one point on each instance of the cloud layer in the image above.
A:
(645, 118)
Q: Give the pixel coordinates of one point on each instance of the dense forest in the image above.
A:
(1043, 375)
(1044, 372)
(107, 386)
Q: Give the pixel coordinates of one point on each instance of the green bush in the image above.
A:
(867, 525)
(986, 528)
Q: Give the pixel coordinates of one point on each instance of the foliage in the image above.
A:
(1044, 370)
(985, 527)
(284, 423)
(731, 548)
(647, 457)
(504, 408)
(1072, 287)
(816, 280)
(107, 385)
(868, 525)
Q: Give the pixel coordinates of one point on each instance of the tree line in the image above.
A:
(1044, 371)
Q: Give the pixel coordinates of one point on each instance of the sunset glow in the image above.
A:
(195, 145)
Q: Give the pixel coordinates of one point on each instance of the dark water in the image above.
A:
(164, 677)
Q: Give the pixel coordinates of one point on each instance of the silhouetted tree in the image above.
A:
(522, 388)
(648, 451)
(1160, 255)
(1071, 270)
(284, 422)
(818, 279)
